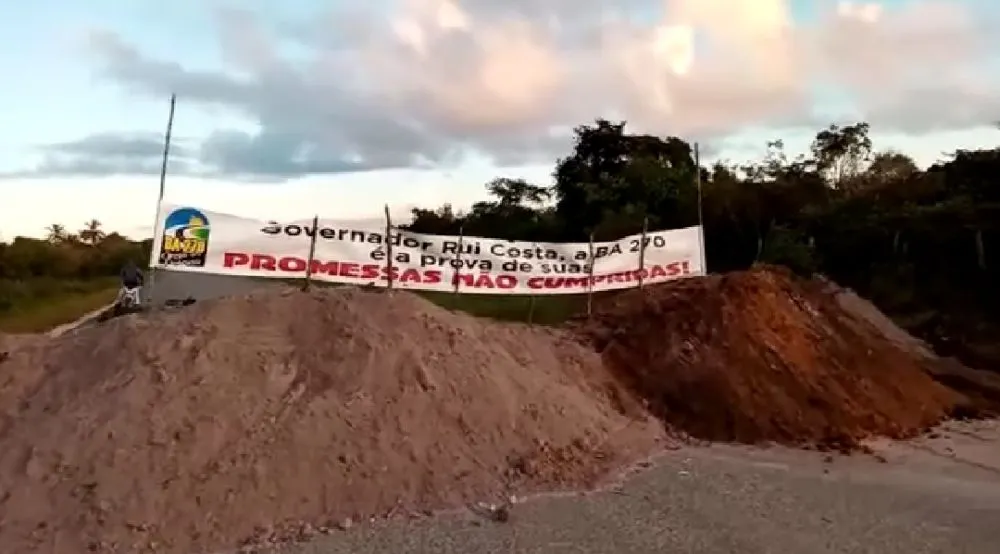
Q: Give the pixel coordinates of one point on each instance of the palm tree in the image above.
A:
(57, 233)
(91, 233)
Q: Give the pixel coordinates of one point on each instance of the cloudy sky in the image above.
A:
(293, 107)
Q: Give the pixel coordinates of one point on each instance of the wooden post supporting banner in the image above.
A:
(980, 250)
(701, 216)
(590, 277)
(458, 258)
(388, 248)
(312, 252)
(642, 250)
(531, 306)
(153, 252)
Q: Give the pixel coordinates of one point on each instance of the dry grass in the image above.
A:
(50, 312)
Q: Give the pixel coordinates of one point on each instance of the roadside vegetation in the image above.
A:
(47, 282)
(922, 244)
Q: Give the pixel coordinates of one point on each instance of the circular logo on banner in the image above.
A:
(185, 238)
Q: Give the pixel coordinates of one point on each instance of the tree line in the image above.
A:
(85, 254)
(923, 244)
(33, 270)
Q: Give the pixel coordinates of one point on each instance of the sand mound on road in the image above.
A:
(982, 388)
(9, 343)
(759, 356)
(196, 429)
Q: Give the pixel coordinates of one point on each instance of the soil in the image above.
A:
(761, 356)
(11, 342)
(981, 387)
(273, 416)
(280, 414)
(861, 308)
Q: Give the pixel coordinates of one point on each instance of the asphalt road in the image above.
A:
(178, 285)
(938, 495)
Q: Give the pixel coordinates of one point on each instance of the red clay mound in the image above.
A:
(287, 411)
(982, 388)
(759, 356)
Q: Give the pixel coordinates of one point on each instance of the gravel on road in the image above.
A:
(932, 495)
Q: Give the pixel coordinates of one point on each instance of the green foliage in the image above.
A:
(922, 244)
(791, 248)
(43, 304)
(39, 276)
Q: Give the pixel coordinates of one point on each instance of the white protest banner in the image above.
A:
(481, 265)
(355, 253)
(196, 240)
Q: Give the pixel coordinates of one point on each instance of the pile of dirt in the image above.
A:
(982, 388)
(284, 412)
(868, 312)
(760, 356)
(11, 342)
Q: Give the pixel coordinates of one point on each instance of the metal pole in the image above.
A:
(388, 247)
(458, 258)
(590, 278)
(531, 300)
(312, 252)
(642, 249)
(701, 214)
(153, 262)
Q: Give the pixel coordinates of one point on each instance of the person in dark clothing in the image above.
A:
(131, 275)
(132, 278)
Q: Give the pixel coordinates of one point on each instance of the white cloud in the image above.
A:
(127, 204)
(437, 78)
(868, 13)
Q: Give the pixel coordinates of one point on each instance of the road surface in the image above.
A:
(934, 495)
(178, 285)
(86, 320)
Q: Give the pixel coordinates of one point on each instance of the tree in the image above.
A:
(972, 172)
(516, 211)
(610, 172)
(441, 221)
(841, 152)
(91, 233)
(921, 244)
(891, 167)
(56, 233)
(517, 192)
